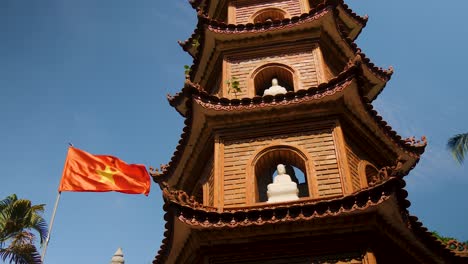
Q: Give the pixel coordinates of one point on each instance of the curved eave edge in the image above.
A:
(207, 23)
(359, 21)
(166, 243)
(360, 57)
(410, 144)
(178, 205)
(161, 175)
(179, 100)
(189, 44)
(192, 90)
(362, 20)
(222, 28)
(326, 89)
(420, 231)
(188, 211)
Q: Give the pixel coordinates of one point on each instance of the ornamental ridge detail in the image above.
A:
(272, 100)
(275, 25)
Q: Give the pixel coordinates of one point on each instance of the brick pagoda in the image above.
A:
(346, 165)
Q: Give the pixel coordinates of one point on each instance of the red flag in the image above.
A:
(84, 172)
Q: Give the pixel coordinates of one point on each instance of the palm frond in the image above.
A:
(458, 146)
(38, 208)
(39, 224)
(21, 254)
(7, 201)
(18, 217)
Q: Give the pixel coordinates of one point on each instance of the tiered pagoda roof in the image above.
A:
(353, 22)
(344, 88)
(321, 22)
(182, 209)
(381, 207)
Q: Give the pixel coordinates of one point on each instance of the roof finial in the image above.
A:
(118, 257)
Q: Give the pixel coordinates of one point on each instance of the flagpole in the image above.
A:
(50, 227)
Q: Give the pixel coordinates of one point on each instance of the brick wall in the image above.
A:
(207, 183)
(245, 9)
(353, 162)
(319, 144)
(302, 61)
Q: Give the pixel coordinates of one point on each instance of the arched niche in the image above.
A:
(268, 14)
(263, 75)
(264, 165)
(368, 174)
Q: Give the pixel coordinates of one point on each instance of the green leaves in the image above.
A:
(233, 86)
(17, 218)
(458, 145)
(442, 238)
(187, 70)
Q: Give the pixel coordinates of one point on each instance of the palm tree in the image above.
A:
(18, 218)
(458, 145)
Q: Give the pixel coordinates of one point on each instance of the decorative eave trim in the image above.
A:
(335, 85)
(360, 19)
(383, 74)
(178, 205)
(191, 91)
(435, 245)
(166, 243)
(411, 144)
(194, 93)
(194, 214)
(220, 27)
(162, 174)
(223, 28)
(298, 97)
(459, 248)
(206, 23)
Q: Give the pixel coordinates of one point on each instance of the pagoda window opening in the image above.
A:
(370, 175)
(269, 15)
(264, 76)
(266, 170)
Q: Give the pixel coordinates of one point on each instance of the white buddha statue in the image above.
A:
(275, 88)
(283, 189)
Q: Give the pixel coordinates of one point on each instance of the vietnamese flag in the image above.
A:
(84, 172)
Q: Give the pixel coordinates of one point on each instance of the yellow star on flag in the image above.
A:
(107, 175)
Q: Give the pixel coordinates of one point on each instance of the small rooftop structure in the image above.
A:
(118, 257)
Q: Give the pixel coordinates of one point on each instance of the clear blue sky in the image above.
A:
(96, 73)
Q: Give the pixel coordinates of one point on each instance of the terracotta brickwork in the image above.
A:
(353, 162)
(347, 162)
(319, 144)
(302, 60)
(302, 260)
(357, 161)
(244, 9)
(208, 184)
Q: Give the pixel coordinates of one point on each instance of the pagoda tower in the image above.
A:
(282, 158)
